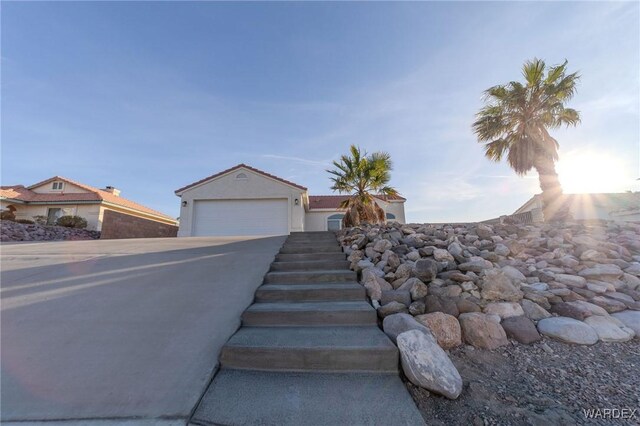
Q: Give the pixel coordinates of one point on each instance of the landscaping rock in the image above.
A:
(568, 330)
(570, 310)
(481, 331)
(497, 286)
(533, 311)
(521, 329)
(445, 328)
(630, 319)
(396, 296)
(426, 365)
(396, 324)
(504, 309)
(425, 269)
(392, 308)
(610, 329)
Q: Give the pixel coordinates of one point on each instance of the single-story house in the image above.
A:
(104, 209)
(243, 200)
(623, 207)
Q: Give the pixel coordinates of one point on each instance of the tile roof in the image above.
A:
(333, 201)
(238, 167)
(19, 192)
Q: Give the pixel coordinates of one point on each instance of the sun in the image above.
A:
(591, 172)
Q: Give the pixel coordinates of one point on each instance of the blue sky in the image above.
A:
(149, 97)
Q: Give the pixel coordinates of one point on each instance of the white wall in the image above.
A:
(67, 188)
(228, 187)
(88, 211)
(316, 220)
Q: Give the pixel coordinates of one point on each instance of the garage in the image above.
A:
(241, 217)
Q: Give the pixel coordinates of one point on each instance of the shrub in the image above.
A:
(40, 220)
(25, 221)
(72, 222)
(7, 215)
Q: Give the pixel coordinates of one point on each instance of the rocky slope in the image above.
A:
(13, 231)
(482, 285)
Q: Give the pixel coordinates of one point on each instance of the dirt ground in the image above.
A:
(547, 383)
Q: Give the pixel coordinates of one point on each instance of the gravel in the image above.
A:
(545, 383)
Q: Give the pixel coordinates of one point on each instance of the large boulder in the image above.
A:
(630, 319)
(568, 330)
(497, 286)
(476, 265)
(441, 304)
(610, 329)
(570, 280)
(426, 365)
(396, 324)
(608, 305)
(444, 327)
(374, 284)
(396, 296)
(521, 329)
(425, 269)
(570, 310)
(382, 245)
(482, 331)
(514, 274)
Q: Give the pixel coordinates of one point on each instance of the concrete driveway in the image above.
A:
(120, 331)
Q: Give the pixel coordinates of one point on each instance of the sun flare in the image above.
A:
(591, 172)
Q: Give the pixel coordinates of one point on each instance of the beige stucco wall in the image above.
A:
(67, 188)
(88, 211)
(316, 220)
(228, 187)
(396, 209)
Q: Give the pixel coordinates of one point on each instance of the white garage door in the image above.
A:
(241, 217)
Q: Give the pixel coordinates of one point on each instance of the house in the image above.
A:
(613, 206)
(243, 200)
(104, 209)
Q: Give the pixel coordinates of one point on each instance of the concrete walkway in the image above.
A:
(310, 351)
(120, 331)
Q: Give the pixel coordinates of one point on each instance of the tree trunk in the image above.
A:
(554, 207)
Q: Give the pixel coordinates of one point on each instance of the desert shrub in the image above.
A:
(40, 219)
(25, 221)
(72, 222)
(7, 215)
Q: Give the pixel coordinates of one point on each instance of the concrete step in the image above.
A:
(242, 397)
(299, 257)
(309, 314)
(310, 265)
(311, 349)
(303, 244)
(309, 292)
(327, 275)
(292, 249)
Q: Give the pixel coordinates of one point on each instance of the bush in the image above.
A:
(7, 215)
(40, 220)
(72, 222)
(25, 221)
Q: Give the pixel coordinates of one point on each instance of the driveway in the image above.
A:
(120, 331)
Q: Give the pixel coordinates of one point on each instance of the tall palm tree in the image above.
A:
(362, 176)
(515, 122)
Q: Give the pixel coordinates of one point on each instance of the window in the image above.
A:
(334, 222)
(241, 176)
(391, 216)
(57, 186)
(53, 215)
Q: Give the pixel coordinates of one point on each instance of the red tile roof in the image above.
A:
(333, 201)
(236, 168)
(19, 192)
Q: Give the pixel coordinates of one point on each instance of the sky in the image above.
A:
(151, 96)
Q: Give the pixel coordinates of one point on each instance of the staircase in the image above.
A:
(309, 350)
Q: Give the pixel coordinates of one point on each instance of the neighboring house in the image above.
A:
(623, 206)
(243, 200)
(103, 209)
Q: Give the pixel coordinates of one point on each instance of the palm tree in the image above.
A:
(515, 122)
(362, 176)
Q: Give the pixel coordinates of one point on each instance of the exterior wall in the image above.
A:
(396, 209)
(316, 220)
(116, 225)
(228, 187)
(88, 211)
(68, 188)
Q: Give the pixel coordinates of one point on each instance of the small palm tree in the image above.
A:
(515, 122)
(362, 176)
